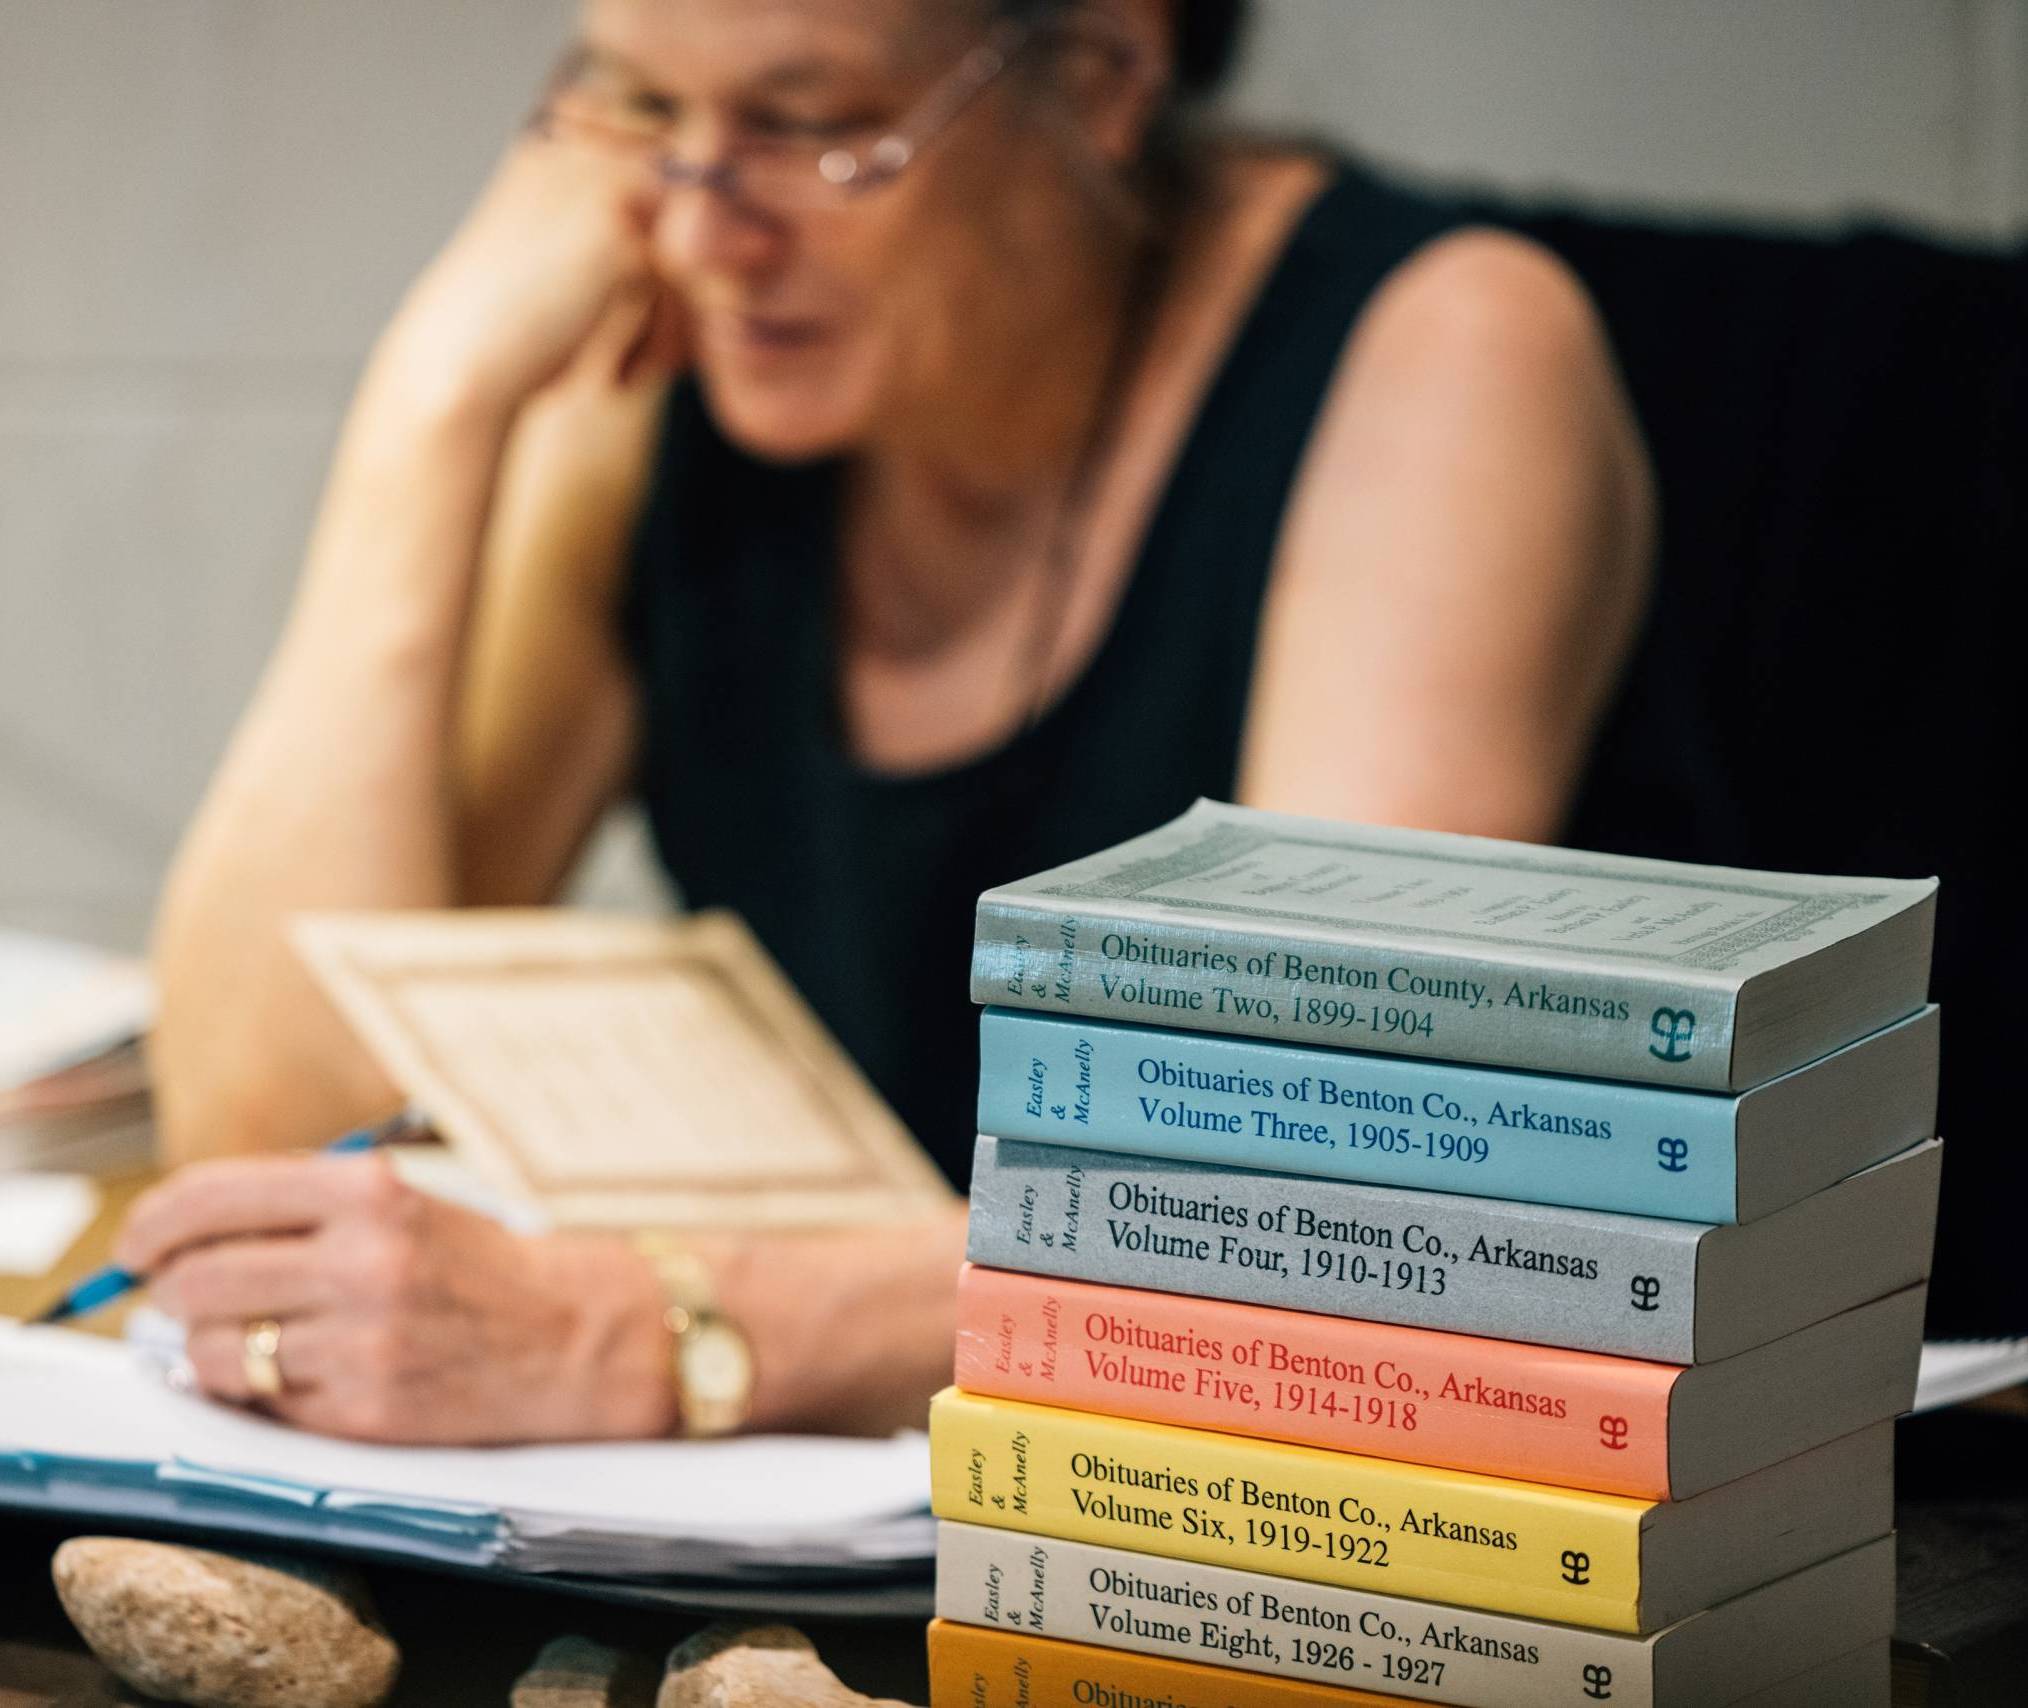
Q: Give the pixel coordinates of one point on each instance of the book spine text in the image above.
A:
(1114, 1599)
(1390, 1120)
(1333, 1518)
(1535, 1413)
(1623, 1285)
(971, 1668)
(1082, 959)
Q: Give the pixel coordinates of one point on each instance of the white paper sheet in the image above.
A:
(74, 1397)
(1954, 1371)
(41, 1216)
(63, 1002)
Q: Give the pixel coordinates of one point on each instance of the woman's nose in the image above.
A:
(703, 229)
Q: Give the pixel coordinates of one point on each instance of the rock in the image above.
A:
(575, 1672)
(226, 1631)
(768, 1667)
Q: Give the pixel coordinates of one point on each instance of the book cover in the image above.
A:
(620, 1071)
(1694, 1156)
(1410, 1530)
(1416, 943)
(1111, 1598)
(1502, 1407)
(1590, 1280)
(971, 1668)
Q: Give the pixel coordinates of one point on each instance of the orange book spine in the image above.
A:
(971, 1667)
(1539, 1414)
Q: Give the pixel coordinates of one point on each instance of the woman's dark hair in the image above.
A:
(1209, 37)
(1209, 34)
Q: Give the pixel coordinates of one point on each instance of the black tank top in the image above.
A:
(862, 885)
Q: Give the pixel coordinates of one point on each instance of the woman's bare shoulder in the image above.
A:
(1475, 446)
(1484, 349)
(1467, 548)
(1481, 294)
(1488, 304)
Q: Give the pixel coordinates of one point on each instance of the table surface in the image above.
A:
(1963, 1520)
(465, 1641)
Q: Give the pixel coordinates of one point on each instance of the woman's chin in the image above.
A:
(780, 423)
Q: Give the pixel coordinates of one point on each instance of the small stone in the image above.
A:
(768, 1667)
(575, 1672)
(223, 1630)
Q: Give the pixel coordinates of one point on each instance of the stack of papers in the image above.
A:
(1954, 1371)
(90, 1426)
(41, 1216)
(63, 1003)
(73, 1081)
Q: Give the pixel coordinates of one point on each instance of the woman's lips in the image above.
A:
(773, 334)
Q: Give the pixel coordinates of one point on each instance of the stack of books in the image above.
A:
(1417, 1267)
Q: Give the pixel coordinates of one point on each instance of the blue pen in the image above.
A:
(103, 1286)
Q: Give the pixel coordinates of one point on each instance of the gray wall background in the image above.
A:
(208, 206)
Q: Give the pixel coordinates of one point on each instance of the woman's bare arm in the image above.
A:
(545, 734)
(356, 778)
(1466, 561)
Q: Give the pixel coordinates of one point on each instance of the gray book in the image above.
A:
(1637, 1286)
(1860, 1678)
(1144, 1604)
(1460, 948)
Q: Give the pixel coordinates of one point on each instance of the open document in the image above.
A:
(91, 1426)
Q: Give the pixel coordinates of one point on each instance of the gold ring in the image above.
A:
(260, 1358)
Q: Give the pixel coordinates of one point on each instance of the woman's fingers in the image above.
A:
(232, 1280)
(559, 237)
(344, 1375)
(662, 350)
(250, 1195)
(218, 1356)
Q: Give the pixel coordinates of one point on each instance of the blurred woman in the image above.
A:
(897, 443)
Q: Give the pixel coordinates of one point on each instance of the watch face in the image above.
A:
(717, 1365)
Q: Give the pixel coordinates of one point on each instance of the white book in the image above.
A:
(1743, 1649)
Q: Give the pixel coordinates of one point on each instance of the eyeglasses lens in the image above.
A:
(589, 107)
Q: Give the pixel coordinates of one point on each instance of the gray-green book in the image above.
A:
(1416, 943)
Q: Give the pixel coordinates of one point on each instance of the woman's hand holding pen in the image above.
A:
(402, 1318)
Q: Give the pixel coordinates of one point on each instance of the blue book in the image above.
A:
(1399, 1121)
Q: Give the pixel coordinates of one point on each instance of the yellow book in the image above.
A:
(1606, 1561)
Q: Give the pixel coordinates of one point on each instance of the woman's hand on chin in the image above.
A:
(403, 1318)
(551, 269)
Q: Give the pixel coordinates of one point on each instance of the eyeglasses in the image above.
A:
(587, 101)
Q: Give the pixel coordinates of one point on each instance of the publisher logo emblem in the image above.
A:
(1576, 1567)
(1676, 1029)
(1612, 1434)
(1674, 1154)
(1647, 1294)
(1598, 1683)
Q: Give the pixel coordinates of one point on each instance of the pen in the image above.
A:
(103, 1286)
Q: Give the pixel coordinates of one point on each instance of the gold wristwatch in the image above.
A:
(710, 1360)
